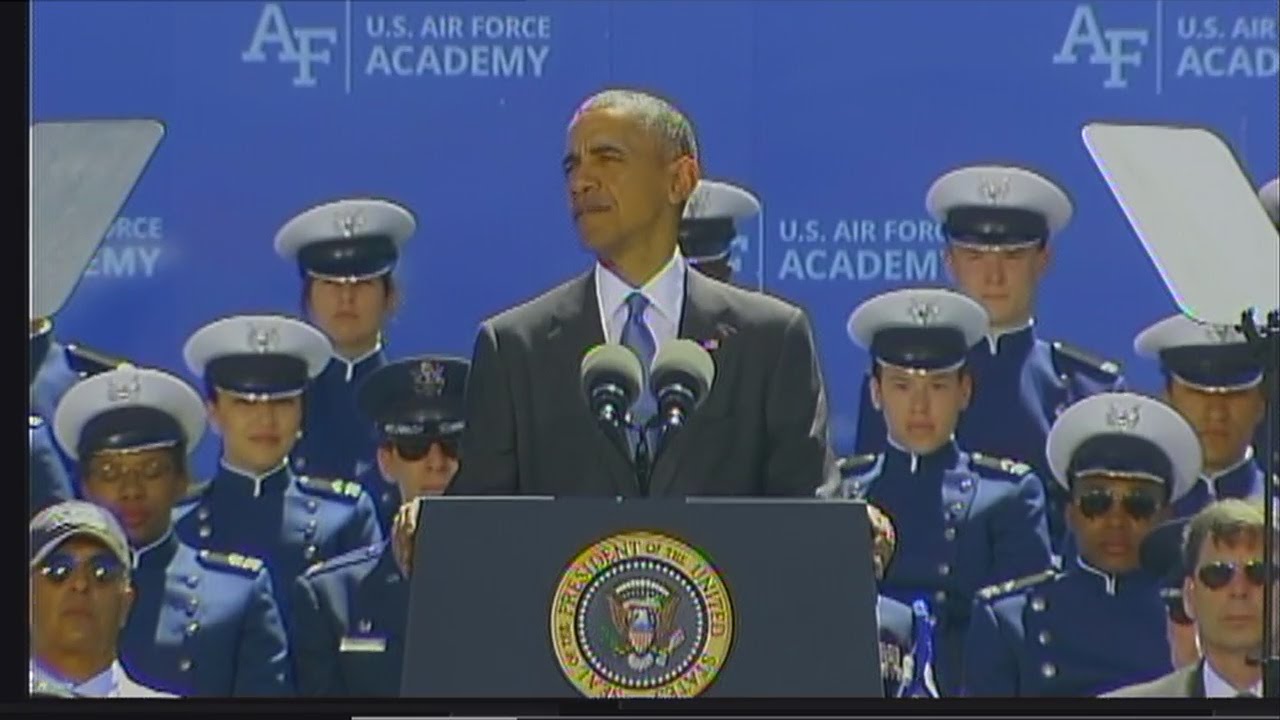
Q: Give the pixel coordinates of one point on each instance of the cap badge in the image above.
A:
(994, 191)
(428, 378)
(1218, 333)
(263, 340)
(350, 223)
(922, 313)
(1123, 419)
(125, 390)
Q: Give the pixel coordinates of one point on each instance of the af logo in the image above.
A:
(1108, 47)
(641, 615)
(305, 47)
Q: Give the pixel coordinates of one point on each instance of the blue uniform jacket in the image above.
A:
(351, 614)
(385, 496)
(1075, 634)
(1244, 480)
(337, 441)
(289, 521)
(47, 478)
(963, 522)
(1019, 389)
(204, 625)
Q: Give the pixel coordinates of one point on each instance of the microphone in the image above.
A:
(611, 376)
(680, 378)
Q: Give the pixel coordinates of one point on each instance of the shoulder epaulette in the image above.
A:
(1007, 587)
(1086, 359)
(1004, 465)
(331, 487)
(345, 559)
(855, 463)
(232, 562)
(86, 361)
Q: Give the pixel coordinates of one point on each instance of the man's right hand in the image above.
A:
(403, 530)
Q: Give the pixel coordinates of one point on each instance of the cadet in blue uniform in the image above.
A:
(1213, 378)
(415, 408)
(351, 611)
(1099, 625)
(203, 624)
(965, 520)
(345, 251)
(255, 368)
(48, 479)
(906, 633)
(998, 221)
(708, 227)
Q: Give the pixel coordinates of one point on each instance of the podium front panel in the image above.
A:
(797, 574)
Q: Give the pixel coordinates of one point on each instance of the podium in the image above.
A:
(537, 597)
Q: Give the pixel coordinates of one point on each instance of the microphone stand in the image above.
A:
(1265, 342)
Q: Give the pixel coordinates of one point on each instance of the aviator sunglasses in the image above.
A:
(105, 568)
(413, 449)
(1138, 504)
(1217, 575)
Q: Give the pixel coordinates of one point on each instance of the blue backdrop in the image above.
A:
(839, 116)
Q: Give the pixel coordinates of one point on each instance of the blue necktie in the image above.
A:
(637, 336)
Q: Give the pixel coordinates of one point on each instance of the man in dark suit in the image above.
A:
(630, 165)
(1222, 593)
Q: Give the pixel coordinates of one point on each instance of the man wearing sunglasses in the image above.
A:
(1214, 378)
(1122, 458)
(998, 221)
(965, 520)
(1222, 594)
(1161, 555)
(351, 611)
(203, 624)
(255, 369)
(80, 598)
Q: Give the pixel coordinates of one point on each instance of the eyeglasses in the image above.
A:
(1216, 575)
(105, 568)
(413, 449)
(1137, 504)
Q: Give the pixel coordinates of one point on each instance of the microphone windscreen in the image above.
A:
(683, 360)
(612, 363)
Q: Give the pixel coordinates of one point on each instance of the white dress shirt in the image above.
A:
(1216, 687)
(664, 291)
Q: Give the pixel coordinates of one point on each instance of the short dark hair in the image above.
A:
(388, 288)
(657, 115)
(1227, 521)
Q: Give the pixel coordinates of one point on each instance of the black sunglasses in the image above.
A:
(414, 449)
(1138, 504)
(1216, 575)
(104, 567)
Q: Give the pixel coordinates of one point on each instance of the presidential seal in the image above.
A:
(641, 615)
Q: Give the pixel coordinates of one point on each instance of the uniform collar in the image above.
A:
(940, 460)
(1018, 336)
(1211, 479)
(351, 365)
(1217, 687)
(165, 543)
(1111, 584)
(257, 480)
(664, 291)
(104, 684)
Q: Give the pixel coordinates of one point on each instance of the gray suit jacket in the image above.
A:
(1186, 682)
(762, 430)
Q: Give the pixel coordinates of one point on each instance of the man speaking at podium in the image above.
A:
(630, 164)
